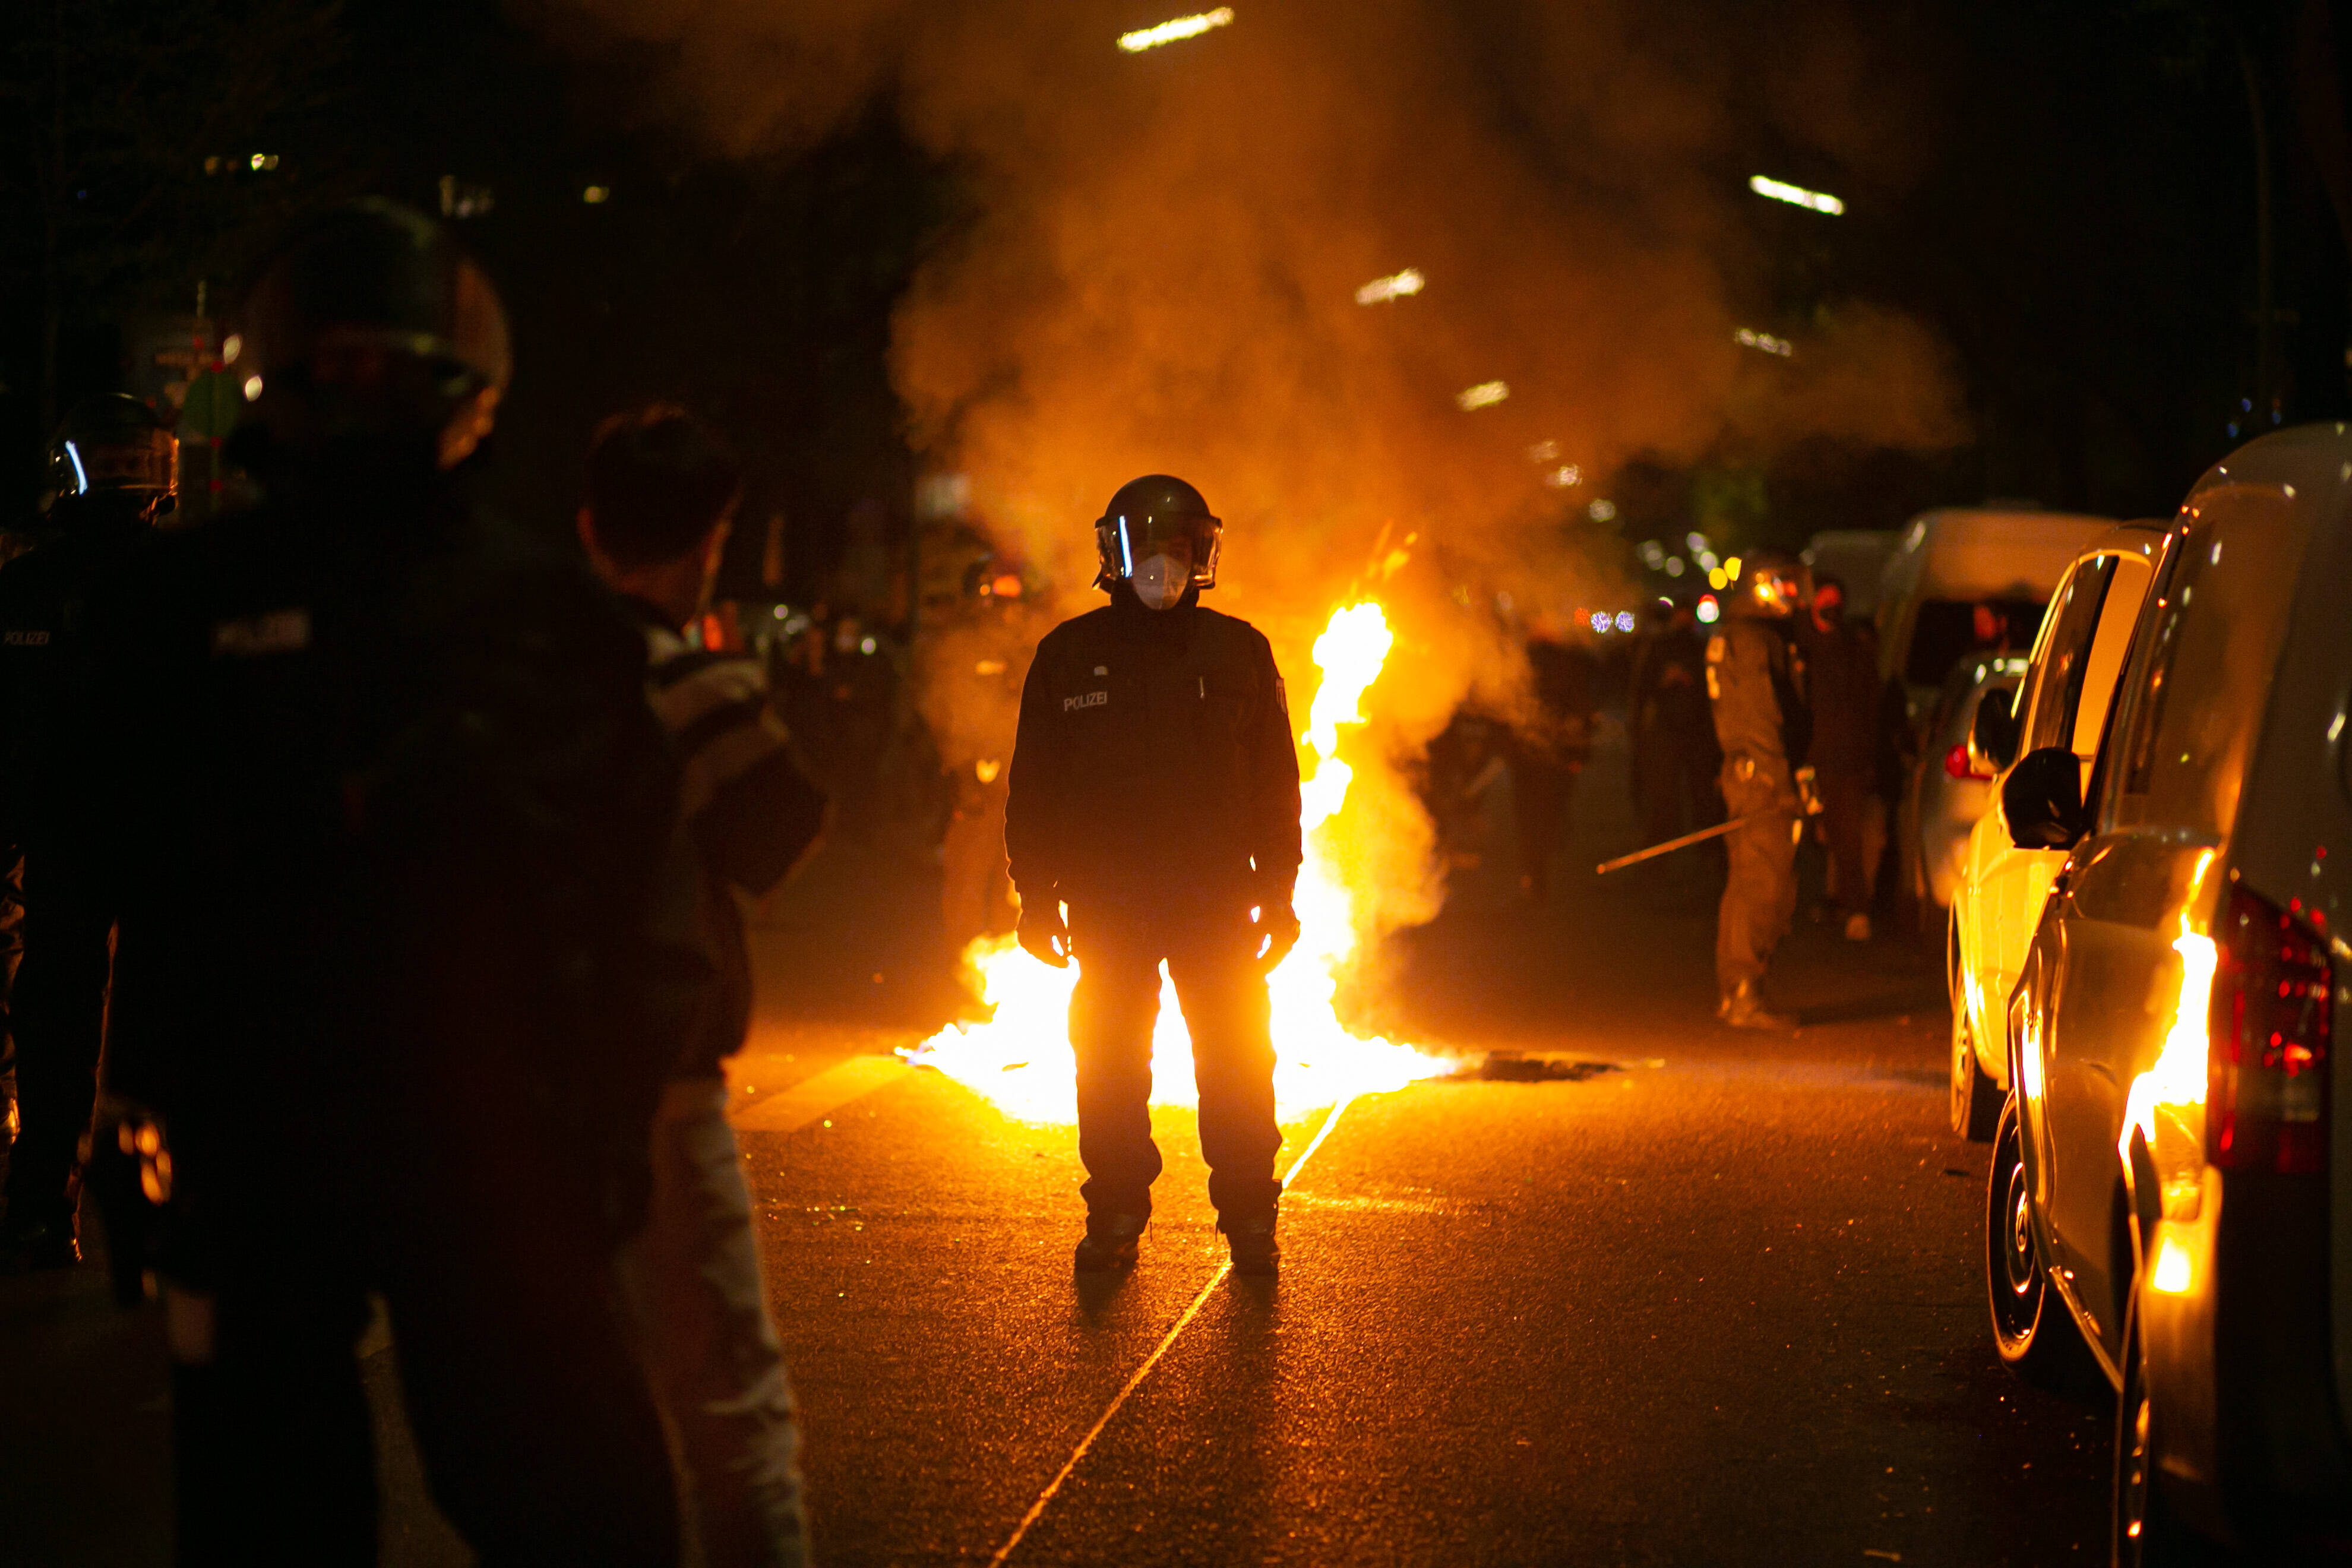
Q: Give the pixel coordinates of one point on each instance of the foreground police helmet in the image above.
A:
(111, 458)
(369, 320)
(1772, 584)
(1158, 537)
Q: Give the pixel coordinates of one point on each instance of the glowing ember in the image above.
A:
(1021, 1058)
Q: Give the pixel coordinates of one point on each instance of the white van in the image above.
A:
(1951, 562)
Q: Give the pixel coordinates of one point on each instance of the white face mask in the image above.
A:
(1161, 580)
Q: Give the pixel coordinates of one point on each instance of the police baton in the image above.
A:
(1684, 842)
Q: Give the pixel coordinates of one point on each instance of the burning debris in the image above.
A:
(1518, 1067)
(1021, 1060)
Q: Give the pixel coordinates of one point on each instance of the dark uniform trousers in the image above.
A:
(1760, 898)
(1219, 984)
(1846, 815)
(57, 1015)
(537, 1438)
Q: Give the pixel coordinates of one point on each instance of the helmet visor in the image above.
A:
(1138, 544)
(1129, 539)
(141, 463)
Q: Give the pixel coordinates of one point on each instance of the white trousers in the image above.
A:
(712, 1352)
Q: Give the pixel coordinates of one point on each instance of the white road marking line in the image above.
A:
(819, 1096)
(1037, 1508)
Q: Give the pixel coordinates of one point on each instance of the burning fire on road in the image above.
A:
(1021, 1058)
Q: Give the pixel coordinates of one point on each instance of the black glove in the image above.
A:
(1279, 924)
(1043, 933)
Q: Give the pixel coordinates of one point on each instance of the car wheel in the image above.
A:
(2030, 1327)
(1976, 1103)
(2146, 1534)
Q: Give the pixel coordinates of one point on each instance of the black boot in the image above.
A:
(1255, 1250)
(1110, 1244)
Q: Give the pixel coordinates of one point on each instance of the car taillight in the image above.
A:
(2268, 1037)
(1956, 763)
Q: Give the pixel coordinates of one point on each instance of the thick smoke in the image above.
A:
(1162, 267)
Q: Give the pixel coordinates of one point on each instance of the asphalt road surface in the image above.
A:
(1695, 1298)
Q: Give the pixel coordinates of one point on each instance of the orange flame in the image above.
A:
(1021, 1058)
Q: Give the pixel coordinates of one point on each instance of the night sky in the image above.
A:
(2067, 196)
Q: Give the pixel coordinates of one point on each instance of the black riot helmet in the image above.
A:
(1159, 536)
(110, 460)
(1771, 586)
(369, 324)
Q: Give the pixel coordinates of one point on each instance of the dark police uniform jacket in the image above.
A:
(1154, 769)
(402, 819)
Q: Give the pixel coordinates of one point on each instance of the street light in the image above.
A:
(1483, 395)
(1172, 32)
(1396, 287)
(1795, 196)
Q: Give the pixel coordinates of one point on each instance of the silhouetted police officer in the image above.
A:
(111, 472)
(1155, 792)
(1755, 683)
(392, 983)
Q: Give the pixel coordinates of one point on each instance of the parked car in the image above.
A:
(2172, 1193)
(1955, 785)
(1998, 892)
(1857, 557)
(1964, 582)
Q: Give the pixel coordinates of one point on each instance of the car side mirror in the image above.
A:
(1992, 731)
(2042, 799)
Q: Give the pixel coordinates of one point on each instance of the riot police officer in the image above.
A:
(111, 473)
(1154, 792)
(392, 980)
(1755, 683)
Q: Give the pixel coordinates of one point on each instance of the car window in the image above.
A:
(2202, 681)
(2126, 587)
(1946, 631)
(2022, 705)
(2059, 669)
